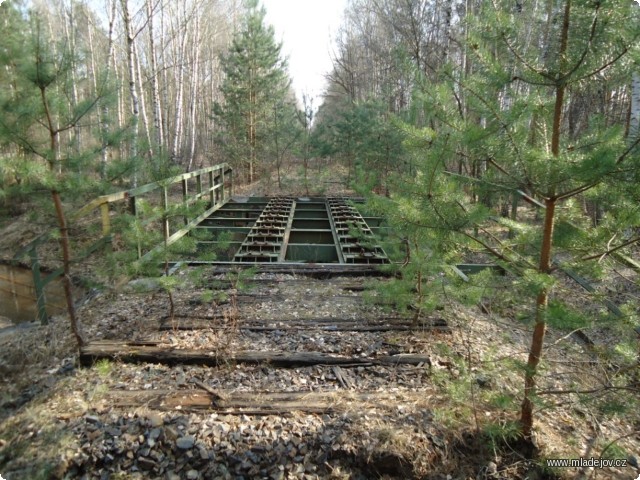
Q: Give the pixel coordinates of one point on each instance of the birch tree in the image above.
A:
(154, 74)
(133, 89)
(634, 121)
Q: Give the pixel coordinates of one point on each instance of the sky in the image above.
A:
(306, 29)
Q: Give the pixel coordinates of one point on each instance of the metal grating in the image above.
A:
(355, 239)
(267, 240)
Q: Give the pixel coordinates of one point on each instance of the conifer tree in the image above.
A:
(519, 130)
(36, 111)
(256, 82)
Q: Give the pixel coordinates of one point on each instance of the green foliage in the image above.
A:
(255, 89)
(46, 133)
(367, 137)
(561, 316)
(104, 368)
(501, 433)
(240, 277)
(503, 401)
(613, 407)
(213, 296)
(613, 451)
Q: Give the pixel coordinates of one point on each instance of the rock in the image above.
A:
(143, 285)
(91, 436)
(204, 454)
(171, 433)
(279, 475)
(146, 463)
(484, 381)
(492, 469)
(185, 443)
(92, 419)
(192, 474)
(155, 419)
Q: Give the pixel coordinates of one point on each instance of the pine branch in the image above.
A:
(600, 256)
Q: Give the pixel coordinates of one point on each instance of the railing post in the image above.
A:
(38, 286)
(222, 185)
(212, 198)
(106, 225)
(133, 209)
(185, 200)
(165, 218)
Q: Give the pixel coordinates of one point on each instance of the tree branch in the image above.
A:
(610, 251)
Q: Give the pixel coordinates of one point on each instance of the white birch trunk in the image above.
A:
(155, 92)
(104, 107)
(133, 92)
(68, 23)
(634, 119)
(143, 108)
(194, 90)
(180, 58)
(99, 104)
(165, 78)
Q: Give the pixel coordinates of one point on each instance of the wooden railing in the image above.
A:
(212, 185)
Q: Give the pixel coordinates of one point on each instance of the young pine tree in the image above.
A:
(256, 82)
(514, 118)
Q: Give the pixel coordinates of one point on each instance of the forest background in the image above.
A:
(446, 113)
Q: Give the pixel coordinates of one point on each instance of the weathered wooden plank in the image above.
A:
(295, 324)
(323, 270)
(208, 320)
(257, 403)
(260, 297)
(165, 354)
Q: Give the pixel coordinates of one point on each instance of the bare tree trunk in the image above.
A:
(68, 21)
(133, 92)
(252, 139)
(122, 150)
(103, 107)
(634, 117)
(66, 278)
(143, 109)
(179, 120)
(194, 89)
(165, 78)
(155, 92)
(544, 267)
(54, 164)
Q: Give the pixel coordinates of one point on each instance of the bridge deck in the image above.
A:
(316, 230)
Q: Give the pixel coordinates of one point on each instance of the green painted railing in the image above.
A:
(214, 185)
